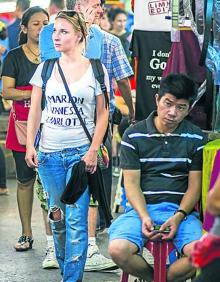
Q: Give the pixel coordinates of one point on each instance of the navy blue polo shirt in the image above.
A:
(164, 159)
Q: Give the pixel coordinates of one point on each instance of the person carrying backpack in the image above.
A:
(63, 139)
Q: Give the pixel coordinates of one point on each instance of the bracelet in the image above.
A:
(183, 212)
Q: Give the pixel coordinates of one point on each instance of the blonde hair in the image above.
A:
(76, 19)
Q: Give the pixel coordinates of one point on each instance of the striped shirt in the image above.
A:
(116, 62)
(164, 159)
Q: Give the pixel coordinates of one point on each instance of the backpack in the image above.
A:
(97, 70)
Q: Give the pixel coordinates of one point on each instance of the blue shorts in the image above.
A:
(128, 226)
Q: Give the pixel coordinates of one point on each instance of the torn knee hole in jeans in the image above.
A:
(55, 214)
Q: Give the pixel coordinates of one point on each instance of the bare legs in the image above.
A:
(25, 203)
(124, 254)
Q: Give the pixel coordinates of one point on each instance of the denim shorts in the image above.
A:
(128, 226)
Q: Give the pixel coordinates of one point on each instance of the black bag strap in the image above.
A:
(45, 75)
(100, 76)
(73, 103)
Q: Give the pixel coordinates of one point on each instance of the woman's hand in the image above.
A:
(90, 159)
(31, 157)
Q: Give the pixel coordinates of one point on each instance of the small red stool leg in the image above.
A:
(160, 250)
(124, 277)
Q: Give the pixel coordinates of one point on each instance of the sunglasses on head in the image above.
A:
(68, 13)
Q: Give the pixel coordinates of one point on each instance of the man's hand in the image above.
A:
(88, 12)
(148, 229)
(172, 223)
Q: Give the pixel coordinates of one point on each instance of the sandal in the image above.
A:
(24, 244)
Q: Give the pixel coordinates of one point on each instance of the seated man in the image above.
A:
(161, 158)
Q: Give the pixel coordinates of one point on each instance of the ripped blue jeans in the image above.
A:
(70, 230)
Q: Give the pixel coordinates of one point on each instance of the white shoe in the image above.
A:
(50, 259)
(97, 262)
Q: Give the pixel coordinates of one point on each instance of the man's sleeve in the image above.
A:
(94, 43)
(47, 50)
(197, 158)
(129, 158)
(120, 64)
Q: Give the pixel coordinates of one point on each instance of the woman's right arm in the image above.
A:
(9, 92)
(33, 124)
(213, 199)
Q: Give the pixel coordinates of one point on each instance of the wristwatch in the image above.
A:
(183, 212)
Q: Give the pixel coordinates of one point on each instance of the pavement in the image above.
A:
(26, 266)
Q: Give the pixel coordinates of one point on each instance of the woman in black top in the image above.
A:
(18, 68)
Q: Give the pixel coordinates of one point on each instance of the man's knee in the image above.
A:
(187, 249)
(120, 251)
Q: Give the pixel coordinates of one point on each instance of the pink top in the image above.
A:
(21, 109)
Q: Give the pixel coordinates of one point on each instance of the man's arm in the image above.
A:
(125, 89)
(193, 193)
(134, 193)
(188, 202)
(137, 201)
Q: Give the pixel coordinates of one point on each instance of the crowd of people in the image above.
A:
(67, 112)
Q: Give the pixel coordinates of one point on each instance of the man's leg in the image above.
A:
(125, 254)
(3, 187)
(189, 231)
(95, 260)
(182, 268)
(126, 244)
(50, 257)
(107, 177)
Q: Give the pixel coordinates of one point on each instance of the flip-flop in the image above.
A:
(24, 244)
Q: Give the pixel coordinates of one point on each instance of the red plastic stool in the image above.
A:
(160, 251)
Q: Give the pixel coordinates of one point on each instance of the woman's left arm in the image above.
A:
(102, 115)
(33, 124)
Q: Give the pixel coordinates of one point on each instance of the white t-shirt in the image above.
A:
(62, 128)
(150, 15)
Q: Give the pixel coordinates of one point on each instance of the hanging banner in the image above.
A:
(152, 50)
(151, 15)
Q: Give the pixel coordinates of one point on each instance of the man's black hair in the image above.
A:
(179, 85)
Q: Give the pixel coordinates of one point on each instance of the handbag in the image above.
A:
(20, 129)
(102, 154)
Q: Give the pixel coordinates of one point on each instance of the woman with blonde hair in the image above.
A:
(63, 140)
